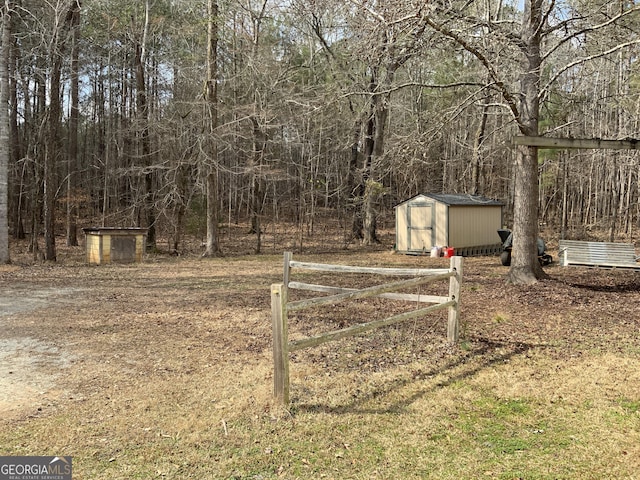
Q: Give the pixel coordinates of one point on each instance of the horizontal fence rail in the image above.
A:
(280, 306)
(364, 327)
(403, 272)
(409, 297)
(366, 292)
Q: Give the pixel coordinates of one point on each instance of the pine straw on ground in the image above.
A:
(163, 370)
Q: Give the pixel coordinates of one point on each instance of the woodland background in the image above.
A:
(169, 113)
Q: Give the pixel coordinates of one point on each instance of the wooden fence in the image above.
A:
(280, 306)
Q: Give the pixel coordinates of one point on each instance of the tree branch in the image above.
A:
(584, 60)
(502, 88)
(416, 84)
(590, 28)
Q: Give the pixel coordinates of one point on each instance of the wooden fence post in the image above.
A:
(287, 268)
(280, 343)
(454, 294)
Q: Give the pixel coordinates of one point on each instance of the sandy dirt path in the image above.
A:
(28, 367)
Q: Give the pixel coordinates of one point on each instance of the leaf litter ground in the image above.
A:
(140, 369)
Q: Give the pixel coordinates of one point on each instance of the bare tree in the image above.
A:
(53, 141)
(544, 29)
(4, 131)
(211, 118)
(142, 106)
(388, 35)
(72, 159)
(311, 107)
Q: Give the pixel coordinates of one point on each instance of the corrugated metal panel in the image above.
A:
(457, 199)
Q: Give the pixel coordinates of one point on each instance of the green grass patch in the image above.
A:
(630, 407)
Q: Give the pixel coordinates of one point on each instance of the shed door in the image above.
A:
(123, 249)
(420, 226)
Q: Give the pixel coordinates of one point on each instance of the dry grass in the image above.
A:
(169, 376)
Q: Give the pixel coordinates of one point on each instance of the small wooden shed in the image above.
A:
(468, 223)
(115, 245)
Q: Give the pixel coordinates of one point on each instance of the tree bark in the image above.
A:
(18, 187)
(476, 154)
(53, 144)
(4, 132)
(525, 268)
(142, 106)
(72, 163)
(255, 200)
(374, 149)
(212, 247)
(354, 187)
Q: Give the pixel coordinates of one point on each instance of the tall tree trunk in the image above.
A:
(72, 163)
(53, 146)
(617, 183)
(255, 201)
(142, 105)
(525, 268)
(355, 188)
(4, 132)
(373, 150)
(565, 196)
(359, 227)
(53, 140)
(37, 188)
(182, 181)
(51, 159)
(476, 154)
(16, 190)
(211, 99)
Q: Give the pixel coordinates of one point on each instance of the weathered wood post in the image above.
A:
(280, 343)
(287, 268)
(454, 294)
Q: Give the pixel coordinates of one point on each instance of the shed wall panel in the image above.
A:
(93, 248)
(140, 247)
(414, 222)
(473, 226)
(106, 248)
(442, 225)
(402, 243)
(421, 216)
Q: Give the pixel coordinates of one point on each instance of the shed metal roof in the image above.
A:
(462, 199)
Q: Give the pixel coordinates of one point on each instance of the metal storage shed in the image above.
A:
(468, 223)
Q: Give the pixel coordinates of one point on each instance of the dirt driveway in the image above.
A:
(70, 330)
(29, 367)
